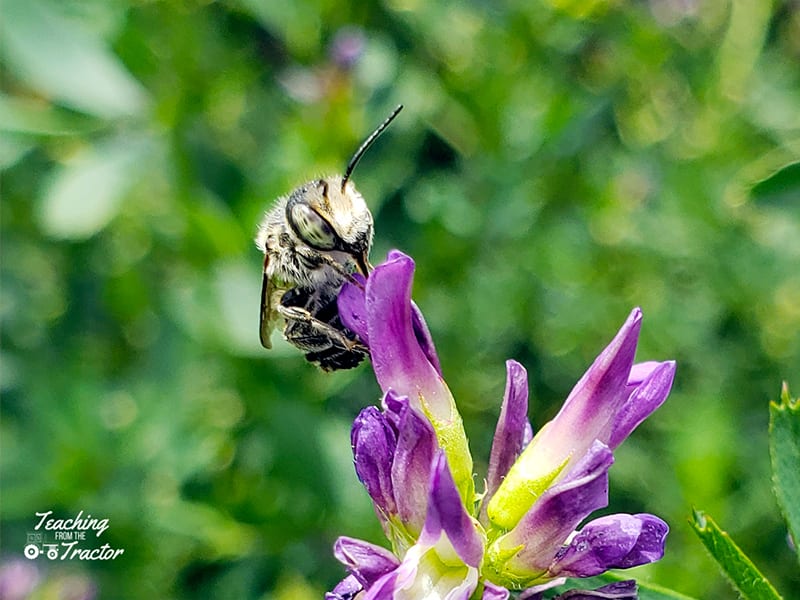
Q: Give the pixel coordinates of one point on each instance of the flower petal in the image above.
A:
(596, 398)
(444, 561)
(397, 358)
(384, 588)
(588, 414)
(419, 325)
(641, 371)
(401, 364)
(526, 552)
(619, 590)
(424, 575)
(612, 542)
(352, 306)
(366, 562)
(353, 313)
(346, 589)
(643, 401)
(411, 466)
(512, 429)
(423, 335)
(494, 592)
(374, 444)
(447, 514)
(536, 592)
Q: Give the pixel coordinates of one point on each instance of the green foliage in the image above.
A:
(784, 438)
(557, 163)
(741, 571)
(782, 186)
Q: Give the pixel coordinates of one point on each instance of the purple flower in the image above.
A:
(393, 452)
(404, 358)
(524, 532)
(619, 590)
(347, 47)
(445, 560)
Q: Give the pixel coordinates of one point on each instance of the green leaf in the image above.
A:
(59, 58)
(238, 296)
(297, 23)
(655, 592)
(86, 193)
(735, 564)
(781, 187)
(784, 449)
(13, 148)
(23, 116)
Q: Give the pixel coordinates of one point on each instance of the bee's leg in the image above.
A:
(297, 313)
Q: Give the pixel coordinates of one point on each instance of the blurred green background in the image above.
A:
(557, 163)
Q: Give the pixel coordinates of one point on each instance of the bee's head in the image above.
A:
(329, 214)
(327, 218)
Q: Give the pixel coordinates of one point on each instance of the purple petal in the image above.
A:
(366, 562)
(413, 578)
(346, 589)
(384, 588)
(397, 358)
(394, 407)
(423, 574)
(512, 429)
(411, 467)
(494, 592)
(537, 591)
(641, 371)
(424, 338)
(446, 513)
(554, 516)
(595, 399)
(353, 308)
(395, 255)
(588, 413)
(374, 443)
(419, 325)
(612, 542)
(528, 437)
(619, 590)
(645, 398)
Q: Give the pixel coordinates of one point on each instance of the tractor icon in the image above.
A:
(34, 548)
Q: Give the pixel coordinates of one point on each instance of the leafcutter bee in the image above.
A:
(314, 240)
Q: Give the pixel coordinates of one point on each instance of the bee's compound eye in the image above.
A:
(312, 228)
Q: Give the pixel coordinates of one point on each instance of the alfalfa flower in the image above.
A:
(523, 532)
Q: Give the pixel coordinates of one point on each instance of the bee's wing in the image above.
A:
(268, 317)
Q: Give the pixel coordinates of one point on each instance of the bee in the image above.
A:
(314, 240)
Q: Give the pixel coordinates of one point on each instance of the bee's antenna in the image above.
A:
(367, 143)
